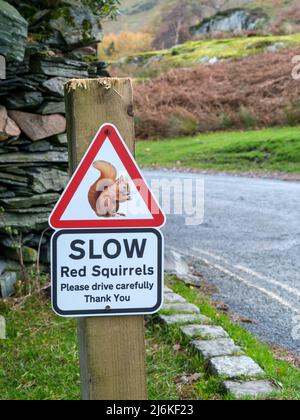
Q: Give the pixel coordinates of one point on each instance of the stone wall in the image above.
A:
(33, 142)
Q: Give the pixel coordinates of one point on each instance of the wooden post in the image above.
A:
(112, 349)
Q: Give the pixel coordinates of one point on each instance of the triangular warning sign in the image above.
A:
(107, 190)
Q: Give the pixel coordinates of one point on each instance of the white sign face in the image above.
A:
(107, 272)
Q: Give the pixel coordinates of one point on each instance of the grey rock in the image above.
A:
(184, 319)
(59, 67)
(7, 284)
(24, 100)
(60, 139)
(39, 146)
(32, 158)
(3, 265)
(32, 210)
(215, 348)
(49, 108)
(7, 194)
(204, 331)
(232, 20)
(277, 46)
(13, 32)
(173, 298)
(55, 86)
(77, 25)
(8, 128)
(13, 180)
(45, 180)
(181, 307)
(254, 389)
(29, 255)
(2, 328)
(168, 290)
(28, 202)
(235, 367)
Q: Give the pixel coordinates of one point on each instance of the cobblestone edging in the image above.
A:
(223, 356)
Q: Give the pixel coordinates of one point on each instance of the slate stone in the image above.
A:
(13, 32)
(168, 290)
(215, 348)
(2, 328)
(181, 307)
(27, 203)
(173, 298)
(240, 389)
(33, 210)
(45, 180)
(204, 331)
(235, 366)
(24, 100)
(33, 158)
(39, 127)
(60, 139)
(184, 319)
(7, 284)
(25, 222)
(55, 86)
(49, 108)
(59, 67)
(8, 128)
(13, 180)
(3, 265)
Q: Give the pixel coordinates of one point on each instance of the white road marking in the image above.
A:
(253, 273)
(241, 279)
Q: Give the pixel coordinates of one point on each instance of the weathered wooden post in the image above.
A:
(112, 352)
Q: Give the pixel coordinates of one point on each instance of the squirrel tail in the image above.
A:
(107, 170)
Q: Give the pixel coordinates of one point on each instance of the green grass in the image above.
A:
(271, 150)
(192, 53)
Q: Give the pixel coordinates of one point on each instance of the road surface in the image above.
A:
(248, 247)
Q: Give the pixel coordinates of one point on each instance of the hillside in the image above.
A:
(142, 15)
(190, 54)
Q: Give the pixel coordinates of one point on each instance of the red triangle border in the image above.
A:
(111, 132)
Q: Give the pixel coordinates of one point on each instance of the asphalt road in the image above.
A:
(248, 246)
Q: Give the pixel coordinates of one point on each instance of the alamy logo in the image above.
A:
(2, 67)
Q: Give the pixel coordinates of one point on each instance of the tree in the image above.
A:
(176, 20)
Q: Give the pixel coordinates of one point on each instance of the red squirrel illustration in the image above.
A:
(106, 194)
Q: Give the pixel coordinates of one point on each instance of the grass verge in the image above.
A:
(39, 359)
(271, 150)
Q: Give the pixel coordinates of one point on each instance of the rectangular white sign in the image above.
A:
(107, 272)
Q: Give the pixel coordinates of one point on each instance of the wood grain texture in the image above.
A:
(112, 349)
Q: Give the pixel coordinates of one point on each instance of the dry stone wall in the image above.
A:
(33, 141)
